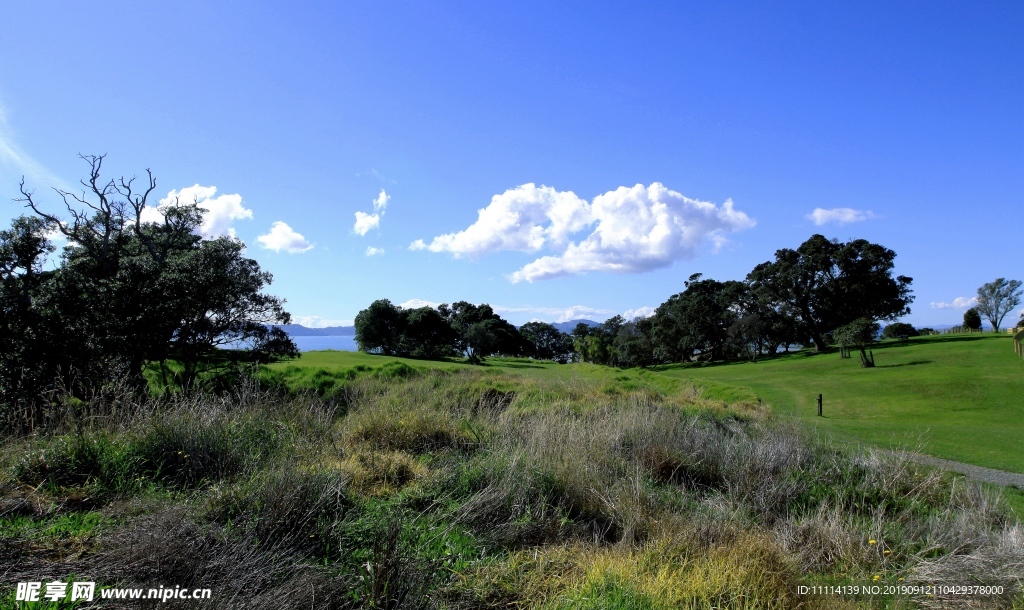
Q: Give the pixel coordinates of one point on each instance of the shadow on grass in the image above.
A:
(513, 365)
(911, 363)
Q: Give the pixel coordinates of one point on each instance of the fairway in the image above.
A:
(955, 397)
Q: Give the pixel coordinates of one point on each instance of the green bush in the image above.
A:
(899, 329)
(972, 319)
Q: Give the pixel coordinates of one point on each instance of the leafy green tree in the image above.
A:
(697, 320)
(634, 343)
(480, 332)
(827, 284)
(998, 298)
(26, 355)
(972, 319)
(586, 343)
(899, 329)
(860, 333)
(596, 344)
(545, 342)
(380, 328)
(127, 292)
(427, 334)
(764, 321)
(492, 336)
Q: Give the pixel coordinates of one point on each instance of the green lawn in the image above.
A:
(329, 370)
(955, 397)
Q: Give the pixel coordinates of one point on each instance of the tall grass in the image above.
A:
(472, 489)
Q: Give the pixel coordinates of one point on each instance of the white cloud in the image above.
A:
(958, 303)
(365, 222)
(417, 303)
(637, 229)
(638, 313)
(55, 235)
(220, 211)
(640, 229)
(559, 314)
(282, 237)
(371, 251)
(318, 322)
(841, 216)
(515, 220)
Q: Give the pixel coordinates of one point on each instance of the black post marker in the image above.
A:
(819, 405)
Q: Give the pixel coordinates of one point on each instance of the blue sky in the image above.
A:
(603, 142)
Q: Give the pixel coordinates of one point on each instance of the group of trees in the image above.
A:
(474, 331)
(823, 291)
(124, 293)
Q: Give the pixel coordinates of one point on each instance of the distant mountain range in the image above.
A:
(298, 330)
(566, 327)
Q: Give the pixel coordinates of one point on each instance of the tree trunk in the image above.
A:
(819, 342)
(866, 362)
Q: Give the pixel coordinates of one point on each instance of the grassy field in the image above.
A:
(955, 397)
(407, 484)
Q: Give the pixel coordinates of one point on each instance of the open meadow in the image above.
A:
(415, 484)
(959, 397)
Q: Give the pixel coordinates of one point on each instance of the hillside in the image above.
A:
(955, 397)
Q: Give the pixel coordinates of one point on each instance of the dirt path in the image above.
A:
(979, 473)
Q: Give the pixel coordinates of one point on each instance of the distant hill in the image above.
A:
(298, 330)
(566, 327)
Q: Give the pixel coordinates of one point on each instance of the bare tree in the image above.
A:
(998, 298)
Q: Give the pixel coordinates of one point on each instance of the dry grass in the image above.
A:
(476, 490)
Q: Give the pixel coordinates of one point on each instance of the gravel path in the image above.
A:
(980, 473)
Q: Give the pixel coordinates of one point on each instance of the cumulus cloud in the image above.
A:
(318, 322)
(638, 313)
(282, 237)
(842, 216)
(631, 229)
(640, 229)
(525, 218)
(958, 303)
(221, 211)
(371, 251)
(417, 303)
(365, 222)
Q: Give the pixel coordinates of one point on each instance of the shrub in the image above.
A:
(972, 319)
(899, 329)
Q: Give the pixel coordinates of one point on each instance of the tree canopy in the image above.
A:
(998, 298)
(827, 284)
(972, 319)
(803, 296)
(126, 291)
